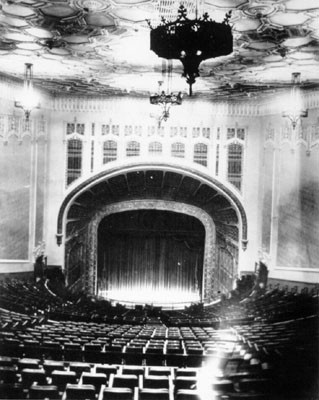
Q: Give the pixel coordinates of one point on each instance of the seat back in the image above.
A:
(49, 366)
(93, 378)
(132, 370)
(159, 371)
(30, 375)
(61, 378)
(44, 392)
(184, 382)
(8, 374)
(6, 361)
(11, 391)
(28, 363)
(79, 392)
(126, 381)
(153, 394)
(80, 367)
(156, 382)
(106, 369)
(115, 393)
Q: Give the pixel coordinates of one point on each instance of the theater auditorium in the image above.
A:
(159, 199)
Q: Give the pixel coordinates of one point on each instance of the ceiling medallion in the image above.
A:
(191, 41)
(92, 5)
(259, 10)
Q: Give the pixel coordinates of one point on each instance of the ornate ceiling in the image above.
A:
(101, 47)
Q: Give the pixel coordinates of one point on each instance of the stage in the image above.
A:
(142, 296)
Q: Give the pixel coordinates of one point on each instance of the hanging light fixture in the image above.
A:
(295, 110)
(166, 99)
(191, 41)
(28, 101)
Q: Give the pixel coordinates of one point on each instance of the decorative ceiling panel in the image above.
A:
(102, 47)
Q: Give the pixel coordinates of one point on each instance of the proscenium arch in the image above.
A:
(222, 189)
(156, 182)
(152, 204)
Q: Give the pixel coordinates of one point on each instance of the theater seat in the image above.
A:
(116, 393)
(224, 385)
(79, 367)
(12, 391)
(132, 370)
(61, 378)
(44, 392)
(28, 363)
(186, 372)
(11, 348)
(6, 361)
(167, 371)
(184, 382)
(153, 394)
(93, 378)
(30, 375)
(8, 374)
(50, 366)
(106, 369)
(254, 385)
(79, 392)
(156, 382)
(72, 352)
(124, 381)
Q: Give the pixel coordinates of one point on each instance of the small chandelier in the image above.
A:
(191, 41)
(28, 101)
(165, 101)
(295, 111)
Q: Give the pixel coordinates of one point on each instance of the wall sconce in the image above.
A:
(28, 101)
(295, 110)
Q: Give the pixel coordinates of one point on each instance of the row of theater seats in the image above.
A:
(266, 348)
(111, 343)
(36, 379)
(273, 305)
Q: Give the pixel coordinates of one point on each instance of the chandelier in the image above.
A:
(28, 100)
(191, 41)
(295, 110)
(165, 101)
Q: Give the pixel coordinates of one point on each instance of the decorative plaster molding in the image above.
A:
(274, 106)
(83, 104)
(213, 182)
(305, 135)
(12, 125)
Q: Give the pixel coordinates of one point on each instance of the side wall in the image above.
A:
(23, 163)
(290, 196)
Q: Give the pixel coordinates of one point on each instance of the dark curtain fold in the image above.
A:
(133, 262)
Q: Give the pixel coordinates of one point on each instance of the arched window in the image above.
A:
(155, 148)
(235, 164)
(178, 150)
(133, 149)
(74, 160)
(109, 151)
(200, 154)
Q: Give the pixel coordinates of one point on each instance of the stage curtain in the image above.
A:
(133, 262)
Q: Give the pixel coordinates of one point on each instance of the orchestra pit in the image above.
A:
(159, 199)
